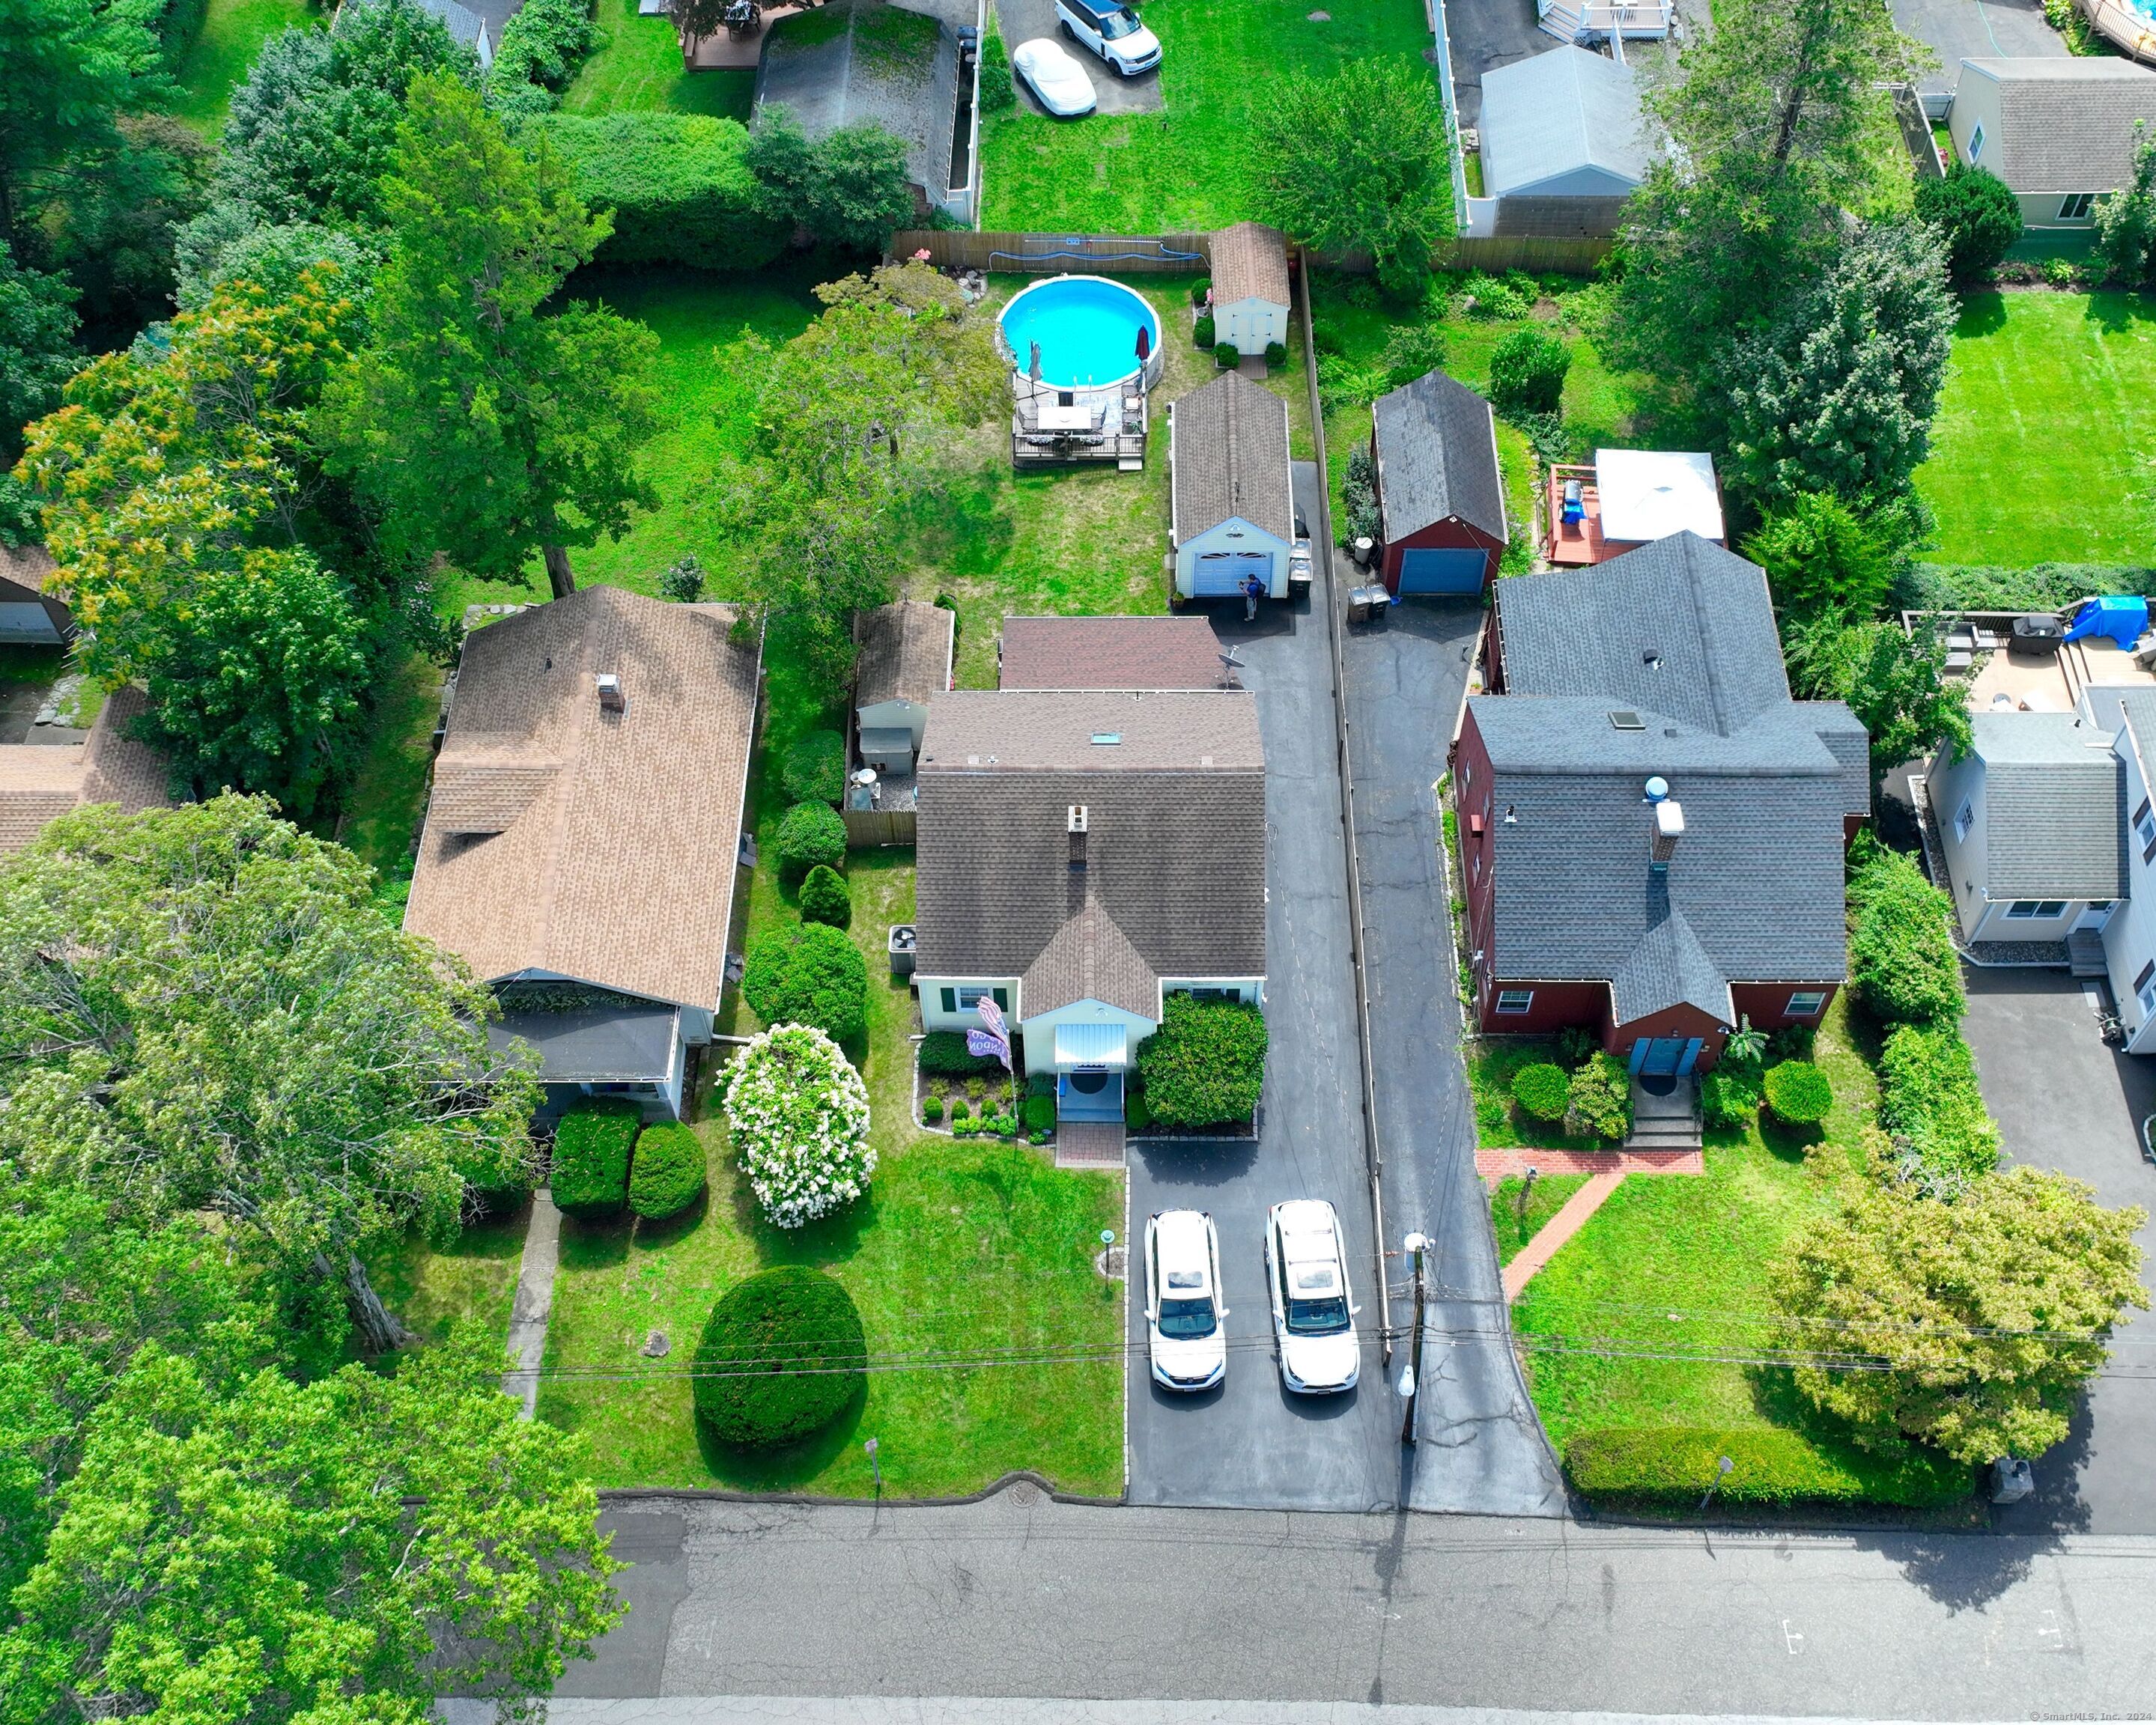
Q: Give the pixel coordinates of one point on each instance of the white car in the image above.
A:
(1184, 1312)
(1051, 74)
(1313, 1312)
(1112, 31)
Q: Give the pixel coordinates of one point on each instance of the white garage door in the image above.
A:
(1220, 574)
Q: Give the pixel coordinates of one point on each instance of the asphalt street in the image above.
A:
(1479, 1448)
(1249, 1442)
(1022, 1596)
(2064, 1100)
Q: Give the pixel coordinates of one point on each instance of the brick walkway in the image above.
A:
(1089, 1144)
(1494, 1165)
(1558, 1228)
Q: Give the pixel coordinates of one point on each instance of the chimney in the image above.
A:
(1669, 828)
(611, 698)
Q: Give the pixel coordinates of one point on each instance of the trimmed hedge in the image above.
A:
(1675, 1465)
(668, 1173)
(810, 833)
(781, 1356)
(931, 1109)
(1928, 1098)
(813, 768)
(944, 1055)
(1038, 1113)
(1799, 1092)
(1601, 1095)
(1227, 355)
(824, 898)
(1205, 1066)
(809, 975)
(1201, 330)
(592, 1147)
(679, 187)
(1901, 957)
(1542, 1090)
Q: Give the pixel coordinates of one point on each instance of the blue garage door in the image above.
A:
(1447, 570)
(1219, 575)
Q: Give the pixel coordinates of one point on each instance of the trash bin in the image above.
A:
(1366, 604)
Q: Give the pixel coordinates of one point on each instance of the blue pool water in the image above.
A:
(1088, 329)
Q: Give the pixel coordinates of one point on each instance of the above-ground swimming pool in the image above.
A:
(1087, 327)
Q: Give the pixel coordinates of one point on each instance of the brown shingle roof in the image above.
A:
(1228, 453)
(590, 844)
(1110, 652)
(906, 653)
(24, 571)
(41, 782)
(1250, 262)
(2068, 121)
(1175, 846)
(1090, 959)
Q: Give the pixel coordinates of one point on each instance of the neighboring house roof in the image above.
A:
(1174, 849)
(463, 25)
(1663, 662)
(2054, 823)
(1436, 442)
(2066, 125)
(584, 843)
(1567, 115)
(1230, 458)
(1647, 495)
(41, 782)
(1250, 262)
(906, 653)
(1111, 653)
(23, 571)
(860, 62)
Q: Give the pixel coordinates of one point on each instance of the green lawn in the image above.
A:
(1180, 170)
(1514, 1226)
(2045, 439)
(231, 35)
(637, 68)
(1492, 1063)
(471, 1281)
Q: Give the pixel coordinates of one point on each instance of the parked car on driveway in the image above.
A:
(1051, 74)
(1188, 1341)
(1313, 1311)
(1111, 30)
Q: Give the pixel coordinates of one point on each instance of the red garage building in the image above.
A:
(1440, 500)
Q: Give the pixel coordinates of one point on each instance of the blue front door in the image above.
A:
(1445, 569)
(1660, 1057)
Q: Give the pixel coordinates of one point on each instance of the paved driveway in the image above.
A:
(1483, 35)
(1480, 1449)
(2063, 1100)
(1022, 20)
(1956, 30)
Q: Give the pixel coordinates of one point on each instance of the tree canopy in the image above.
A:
(69, 69)
(849, 188)
(1893, 681)
(1822, 559)
(37, 347)
(2125, 221)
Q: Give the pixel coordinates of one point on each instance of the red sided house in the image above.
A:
(1440, 498)
(1651, 829)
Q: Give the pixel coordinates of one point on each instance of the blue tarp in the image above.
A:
(2123, 616)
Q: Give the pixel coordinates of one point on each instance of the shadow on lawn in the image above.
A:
(794, 1463)
(1982, 313)
(2121, 313)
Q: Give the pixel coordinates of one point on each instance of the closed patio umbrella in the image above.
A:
(1145, 343)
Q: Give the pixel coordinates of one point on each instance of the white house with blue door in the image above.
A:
(1082, 855)
(1440, 495)
(1231, 491)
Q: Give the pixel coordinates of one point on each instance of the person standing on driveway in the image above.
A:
(1252, 590)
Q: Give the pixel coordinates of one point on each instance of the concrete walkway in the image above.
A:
(1560, 1228)
(535, 1302)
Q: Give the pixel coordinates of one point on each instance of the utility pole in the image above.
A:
(1411, 1378)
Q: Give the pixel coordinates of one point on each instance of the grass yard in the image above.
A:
(1492, 1063)
(231, 35)
(2044, 446)
(636, 68)
(1182, 169)
(470, 1282)
(1515, 1226)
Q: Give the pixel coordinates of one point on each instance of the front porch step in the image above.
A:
(1089, 1144)
(1667, 1121)
(2085, 952)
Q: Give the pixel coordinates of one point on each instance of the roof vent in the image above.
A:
(1652, 657)
(1658, 787)
(1624, 719)
(611, 698)
(1105, 739)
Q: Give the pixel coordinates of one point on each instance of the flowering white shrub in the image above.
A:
(800, 1114)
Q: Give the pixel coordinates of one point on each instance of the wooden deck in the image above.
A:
(1045, 432)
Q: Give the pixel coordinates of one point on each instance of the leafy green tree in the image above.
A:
(1360, 161)
(1977, 215)
(347, 1550)
(111, 224)
(226, 243)
(1978, 1321)
(849, 188)
(203, 1010)
(37, 347)
(1839, 395)
(2125, 221)
(1894, 682)
(1527, 371)
(483, 430)
(1823, 560)
(68, 69)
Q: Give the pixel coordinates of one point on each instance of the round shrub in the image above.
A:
(1205, 1066)
(592, 1144)
(810, 974)
(811, 833)
(1201, 331)
(799, 1116)
(1601, 1095)
(813, 768)
(781, 1356)
(1977, 215)
(682, 581)
(668, 1173)
(824, 898)
(1276, 354)
(1201, 290)
(1040, 1112)
(1227, 355)
(1798, 1093)
(1527, 372)
(932, 1108)
(1542, 1090)
(961, 1109)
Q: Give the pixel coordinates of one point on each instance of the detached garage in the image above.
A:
(1233, 496)
(1440, 499)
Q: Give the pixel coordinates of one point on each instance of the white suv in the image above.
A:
(1112, 31)
(1188, 1345)
(1313, 1313)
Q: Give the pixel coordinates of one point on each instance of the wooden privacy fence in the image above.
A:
(1192, 253)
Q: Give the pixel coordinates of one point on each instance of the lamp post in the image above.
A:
(1722, 1469)
(874, 1466)
(1411, 1378)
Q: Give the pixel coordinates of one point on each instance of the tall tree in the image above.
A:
(348, 1550)
(1360, 161)
(1894, 681)
(1822, 559)
(68, 68)
(37, 347)
(485, 429)
(2125, 221)
(201, 1008)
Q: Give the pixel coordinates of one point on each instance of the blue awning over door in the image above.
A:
(1092, 1045)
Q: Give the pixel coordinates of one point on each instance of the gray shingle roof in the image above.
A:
(1437, 456)
(1175, 849)
(1250, 262)
(1230, 458)
(464, 25)
(1090, 959)
(1565, 113)
(2054, 823)
(2067, 123)
(1110, 652)
(905, 652)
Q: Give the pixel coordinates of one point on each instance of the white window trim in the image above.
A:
(1964, 818)
(1816, 997)
(1976, 143)
(1525, 996)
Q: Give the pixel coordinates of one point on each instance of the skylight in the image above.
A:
(1625, 719)
(1103, 739)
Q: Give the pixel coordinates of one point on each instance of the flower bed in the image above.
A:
(977, 1104)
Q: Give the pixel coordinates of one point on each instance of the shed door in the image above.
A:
(1220, 574)
(1448, 568)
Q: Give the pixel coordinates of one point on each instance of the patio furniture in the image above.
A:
(2039, 634)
